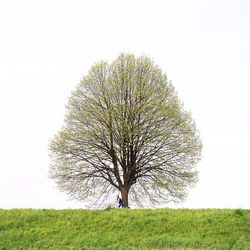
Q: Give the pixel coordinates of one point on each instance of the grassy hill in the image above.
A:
(125, 229)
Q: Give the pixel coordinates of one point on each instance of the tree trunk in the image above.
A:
(124, 193)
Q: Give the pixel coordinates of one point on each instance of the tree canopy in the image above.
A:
(126, 130)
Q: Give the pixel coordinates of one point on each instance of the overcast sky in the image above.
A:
(46, 47)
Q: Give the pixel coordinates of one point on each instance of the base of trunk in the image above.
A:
(124, 193)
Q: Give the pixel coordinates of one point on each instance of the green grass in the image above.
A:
(125, 229)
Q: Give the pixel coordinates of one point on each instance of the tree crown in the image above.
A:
(126, 130)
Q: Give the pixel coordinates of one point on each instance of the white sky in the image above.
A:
(46, 46)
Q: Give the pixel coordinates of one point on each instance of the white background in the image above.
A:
(46, 46)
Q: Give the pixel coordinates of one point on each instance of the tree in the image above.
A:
(126, 130)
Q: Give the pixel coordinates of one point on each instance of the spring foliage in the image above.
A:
(125, 130)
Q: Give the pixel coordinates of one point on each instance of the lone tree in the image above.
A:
(125, 130)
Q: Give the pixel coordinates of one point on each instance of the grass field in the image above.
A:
(125, 229)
